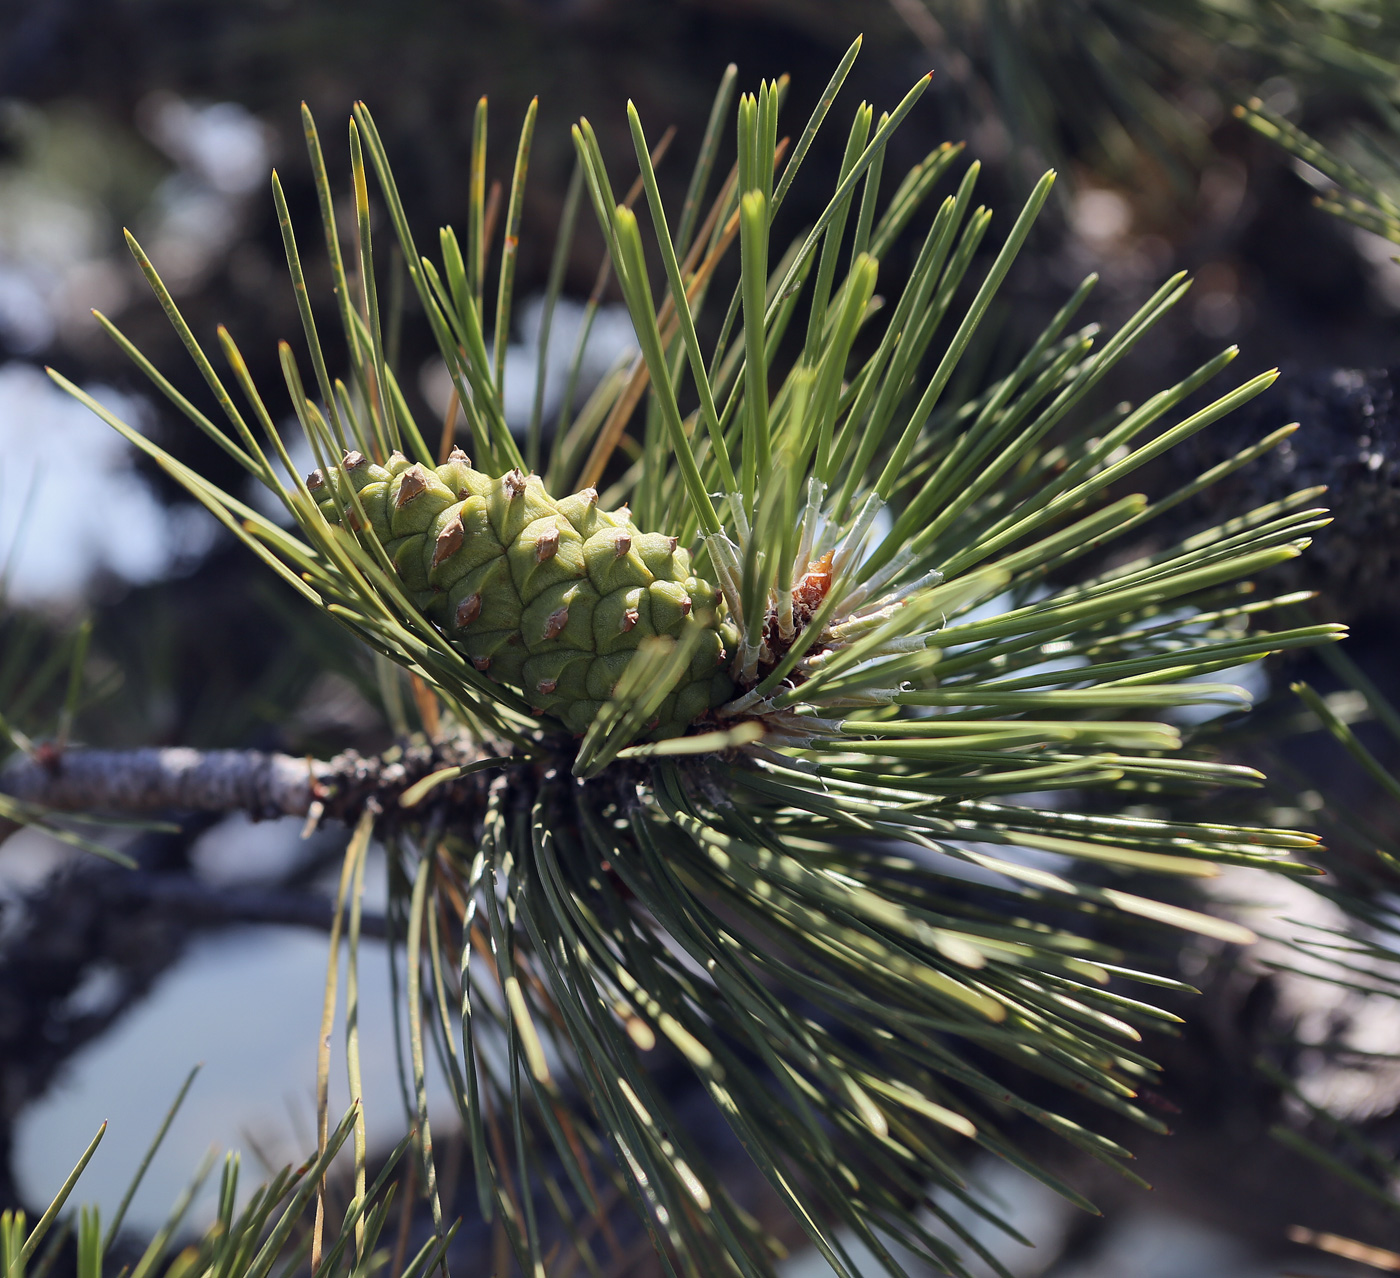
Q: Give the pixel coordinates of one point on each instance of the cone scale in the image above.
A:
(550, 597)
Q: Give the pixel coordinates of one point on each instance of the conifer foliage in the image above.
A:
(743, 775)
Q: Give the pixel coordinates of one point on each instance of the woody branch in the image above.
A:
(263, 785)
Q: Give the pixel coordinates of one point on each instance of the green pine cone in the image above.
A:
(549, 597)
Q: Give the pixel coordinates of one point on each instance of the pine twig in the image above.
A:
(261, 784)
(153, 780)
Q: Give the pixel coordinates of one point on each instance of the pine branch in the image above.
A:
(260, 784)
(154, 780)
(742, 750)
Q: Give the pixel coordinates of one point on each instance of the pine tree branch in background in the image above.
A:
(205, 904)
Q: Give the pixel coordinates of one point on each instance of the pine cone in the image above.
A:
(549, 597)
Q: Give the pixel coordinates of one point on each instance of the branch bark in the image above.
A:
(175, 778)
(262, 785)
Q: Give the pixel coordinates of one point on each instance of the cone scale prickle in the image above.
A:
(548, 596)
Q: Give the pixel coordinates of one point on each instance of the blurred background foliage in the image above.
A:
(165, 115)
